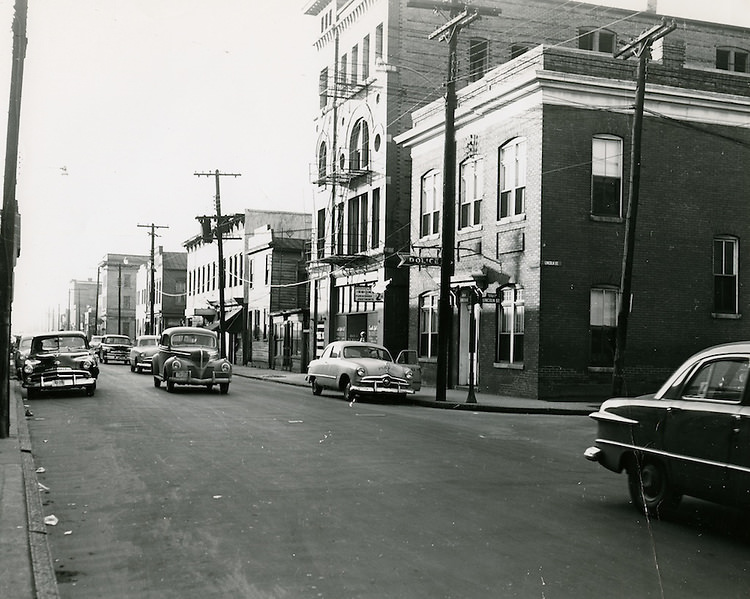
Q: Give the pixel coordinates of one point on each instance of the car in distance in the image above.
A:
(190, 356)
(359, 368)
(115, 348)
(691, 437)
(143, 351)
(20, 353)
(59, 361)
(95, 343)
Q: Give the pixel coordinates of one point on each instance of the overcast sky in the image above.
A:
(124, 100)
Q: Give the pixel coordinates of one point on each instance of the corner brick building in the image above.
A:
(543, 131)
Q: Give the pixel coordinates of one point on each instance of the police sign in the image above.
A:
(409, 260)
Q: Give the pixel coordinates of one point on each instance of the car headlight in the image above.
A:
(226, 367)
(87, 364)
(176, 364)
(28, 368)
(360, 371)
(409, 374)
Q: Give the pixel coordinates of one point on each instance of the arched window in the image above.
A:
(606, 176)
(732, 59)
(322, 160)
(431, 200)
(511, 199)
(359, 146)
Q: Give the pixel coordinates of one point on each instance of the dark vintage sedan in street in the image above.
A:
(190, 356)
(143, 351)
(115, 348)
(692, 437)
(59, 361)
(361, 368)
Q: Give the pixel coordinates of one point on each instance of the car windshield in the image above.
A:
(188, 339)
(146, 342)
(53, 344)
(367, 351)
(122, 340)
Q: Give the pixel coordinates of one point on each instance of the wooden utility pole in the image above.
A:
(219, 230)
(151, 294)
(461, 15)
(8, 220)
(640, 48)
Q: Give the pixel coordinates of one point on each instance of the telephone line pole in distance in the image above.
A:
(462, 14)
(152, 291)
(218, 230)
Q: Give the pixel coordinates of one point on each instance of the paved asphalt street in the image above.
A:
(26, 568)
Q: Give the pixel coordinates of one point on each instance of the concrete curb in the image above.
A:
(43, 571)
(550, 410)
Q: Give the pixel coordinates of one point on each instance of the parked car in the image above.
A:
(143, 351)
(95, 343)
(691, 437)
(58, 361)
(21, 352)
(115, 348)
(190, 356)
(360, 368)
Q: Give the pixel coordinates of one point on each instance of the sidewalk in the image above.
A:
(26, 568)
(455, 398)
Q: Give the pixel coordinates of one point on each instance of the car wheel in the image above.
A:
(132, 368)
(349, 395)
(31, 393)
(650, 489)
(170, 387)
(224, 388)
(105, 360)
(209, 387)
(90, 390)
(157, 382)
(316, 388)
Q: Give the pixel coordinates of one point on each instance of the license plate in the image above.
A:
(180, 375)
(58, 383)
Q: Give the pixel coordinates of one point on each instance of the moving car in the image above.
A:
(691, 437)
(190, 356)
(59, 361)
(360, 368)
(143, 352)
(115, 348)
(95, 343)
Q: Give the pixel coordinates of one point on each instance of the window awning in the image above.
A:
(232, 321)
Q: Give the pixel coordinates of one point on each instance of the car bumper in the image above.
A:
(381, 389)
(118, 356)
(185, 378)
(69, 380)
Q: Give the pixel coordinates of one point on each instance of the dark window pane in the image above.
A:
(603, 346)
(606, 196)
(722, 59)
(725, 297)
(606, 42)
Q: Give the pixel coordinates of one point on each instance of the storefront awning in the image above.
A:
(232, 321)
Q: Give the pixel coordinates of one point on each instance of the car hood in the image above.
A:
(63, 360)
(375, 366)
(199, 355)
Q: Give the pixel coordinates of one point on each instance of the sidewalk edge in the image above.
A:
(45, 582)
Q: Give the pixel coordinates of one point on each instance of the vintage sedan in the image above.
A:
(360, 368)
(59, 361)
(115, 348)
(190, 356)
(692, 437)
(143, 351)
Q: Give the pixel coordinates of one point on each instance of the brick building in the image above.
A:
(543, 145)
(170, 292)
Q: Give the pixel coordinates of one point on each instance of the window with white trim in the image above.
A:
(510, 326)
(359, 146)
(471, 192)
(725, 274)
(603, 325)
(606, 176)
(512, 179)
(428, 325)
(429, 221)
